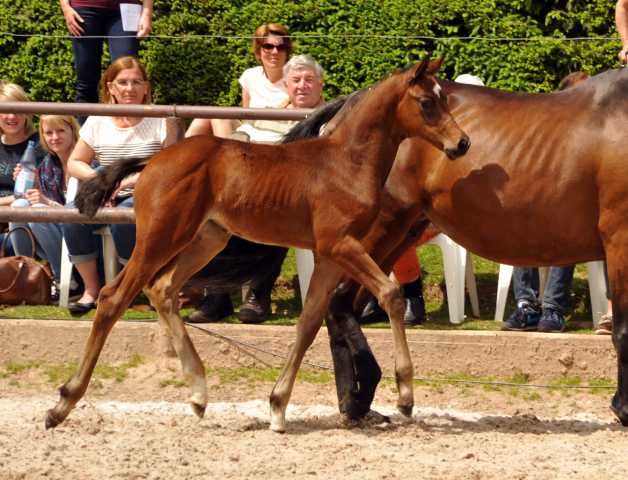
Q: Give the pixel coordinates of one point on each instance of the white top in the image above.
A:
(263, 93)
(113, 143)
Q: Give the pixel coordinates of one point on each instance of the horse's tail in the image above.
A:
(310, 126)
(239, 263)
(100, 187)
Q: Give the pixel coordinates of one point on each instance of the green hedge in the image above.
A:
(206, 71)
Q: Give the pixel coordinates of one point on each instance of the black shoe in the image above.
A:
(373, 313)
(256, 307)
(212, 309)
(76, 307)
(415, 311)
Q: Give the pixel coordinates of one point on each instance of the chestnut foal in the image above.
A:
(321, 194)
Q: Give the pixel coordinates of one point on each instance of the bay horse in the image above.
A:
(542, 186)
(321, 194)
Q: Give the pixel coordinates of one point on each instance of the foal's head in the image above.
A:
(424, 112)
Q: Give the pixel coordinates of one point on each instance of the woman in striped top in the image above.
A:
(111, 139)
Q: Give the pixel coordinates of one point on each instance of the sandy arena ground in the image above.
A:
(138, 429)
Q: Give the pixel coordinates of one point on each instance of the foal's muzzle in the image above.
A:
(460, 149)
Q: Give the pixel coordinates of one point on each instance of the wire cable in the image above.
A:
(483, 382)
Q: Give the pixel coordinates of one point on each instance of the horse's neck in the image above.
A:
(369, 129)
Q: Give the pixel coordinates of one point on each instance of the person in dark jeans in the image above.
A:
(100, 18)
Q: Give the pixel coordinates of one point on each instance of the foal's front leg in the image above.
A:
(322, 285)
(350, 255)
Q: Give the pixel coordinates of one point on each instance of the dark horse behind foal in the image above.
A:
(321, 194)
(542, 185)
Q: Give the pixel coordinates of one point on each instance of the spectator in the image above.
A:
(304, 84)
(110, 139)
(16, 130)
(528, 315)
(99, 19)
(605, 327)
(262, 86)
(621, 21)
(407, 270)
(59, 134)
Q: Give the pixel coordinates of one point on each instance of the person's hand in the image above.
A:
(16, 171)
(34, 195)
(146, 24)
(71, 20)
(128, 182)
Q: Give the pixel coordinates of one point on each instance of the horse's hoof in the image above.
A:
(405, 410)
(50, 421)
(353, 408)
(199, 410)
(277, 428)
(376, 418)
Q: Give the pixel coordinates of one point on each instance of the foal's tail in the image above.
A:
(100, 187)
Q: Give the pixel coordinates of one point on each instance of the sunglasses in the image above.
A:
(269, 47)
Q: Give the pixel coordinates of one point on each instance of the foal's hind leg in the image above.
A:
(114, 300)
(324, 279)
(163, 290)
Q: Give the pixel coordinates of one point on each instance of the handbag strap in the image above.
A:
(22, 263)
(4, 243)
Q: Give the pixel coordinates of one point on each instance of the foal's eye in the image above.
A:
(426, 104)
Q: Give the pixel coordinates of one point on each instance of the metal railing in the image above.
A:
(175, 117)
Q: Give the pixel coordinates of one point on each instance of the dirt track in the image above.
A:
(139, 429)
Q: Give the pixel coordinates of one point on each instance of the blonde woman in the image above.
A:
(59, 134)
(16, 130)
(110, 139)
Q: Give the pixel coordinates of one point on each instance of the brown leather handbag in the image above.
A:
(24, 279)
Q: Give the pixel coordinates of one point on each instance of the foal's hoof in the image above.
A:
(199, 410)
(51, 422)
(405, 410)
(353, 408)
(376, 418)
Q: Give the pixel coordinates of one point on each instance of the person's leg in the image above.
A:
(527, 315)
(556, 299)
(22, 244)
(124, 234)
(83, 253)
(120, 47)
(49, 240)
(88, 56)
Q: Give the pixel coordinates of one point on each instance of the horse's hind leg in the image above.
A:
(324, 279)
(163, 290)
(114, 300)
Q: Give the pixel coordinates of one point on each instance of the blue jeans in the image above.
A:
(48, 239)
(81, 242)
(8, 249)
(103, 22)
(526, 287)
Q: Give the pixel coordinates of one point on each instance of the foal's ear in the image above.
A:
(434, 66)
(419, 69)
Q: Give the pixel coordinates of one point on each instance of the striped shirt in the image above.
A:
(111, 143)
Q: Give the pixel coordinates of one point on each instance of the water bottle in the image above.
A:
(26, 177)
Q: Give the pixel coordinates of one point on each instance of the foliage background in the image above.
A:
(206, 71)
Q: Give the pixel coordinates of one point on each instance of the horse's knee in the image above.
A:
(390, 298)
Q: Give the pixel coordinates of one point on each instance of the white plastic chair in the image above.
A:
(458, 268)
(110, 256)
(597, 289)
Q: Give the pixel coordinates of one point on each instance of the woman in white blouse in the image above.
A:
(110, 139)
(262, 86)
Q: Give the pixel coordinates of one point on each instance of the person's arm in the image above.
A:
(80, 161)
(6, 201)
(199, 126)
(146, 20)
(246, 99)
(72, 18)
(621, 20)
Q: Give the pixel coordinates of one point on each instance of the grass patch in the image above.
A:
(14, 367)
(61, 373)
(286, 299)
(177, 384)
(244, 376)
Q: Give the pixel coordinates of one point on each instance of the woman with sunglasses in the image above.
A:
(262, 86)
(111, 139)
